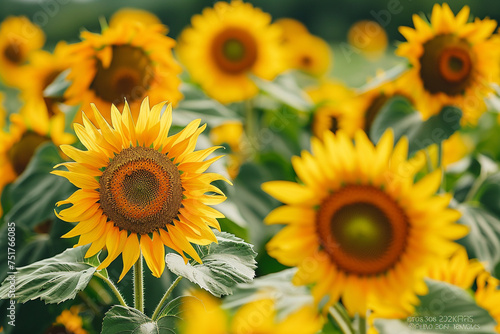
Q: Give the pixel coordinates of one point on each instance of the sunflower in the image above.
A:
(333, 111)
(40, 72)
(27, 131)
(68, 322)
(126, 15)
(309, 54)
(18, 38)
(203, 315)
(453, 61)
(455, 148)
(487, 296)
(141, 190)
(126, 61)
(369, 38)
(232, 134)
(290, 29)
(225, 45)
(3, 113)
(359, 228)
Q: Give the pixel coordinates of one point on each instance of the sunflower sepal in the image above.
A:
(128, 319)
(224, 264)
(53, 280)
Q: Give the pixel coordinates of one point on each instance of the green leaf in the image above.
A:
(483, 240)
(53, 280)
(399, 115)
(285, 89)
(287, 296)
(445, 309)
(36, 191)
(128, 320)
(174, 307)
(225, 264)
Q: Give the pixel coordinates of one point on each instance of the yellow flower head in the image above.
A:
(69, 322)
(333, 112)
(40, 72)
(141, 189)
(368, 37)
(127, 15)
(290, 29)
(453, 61)
(3, 113)
(225, 45)
(18, 38)
(457, 270)
(231, 133)
(127, 61)
(27, 131)
(204, 315)
(359, 228)
(487, 296)
(309, 54)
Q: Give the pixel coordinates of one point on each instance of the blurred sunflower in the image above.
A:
(27, 131)
(68, 322)
(455, 148)
(3, 113)
(40, 72)
(232, 134)
(127, 61)
(333, 111)
(361, 222)
(453, 62)
(290, 29)
(487, 296)
(126, 15)
(203, 315)
(225, 45)
(18, 38)
(368, 37)
(309, 54)
(141, 190)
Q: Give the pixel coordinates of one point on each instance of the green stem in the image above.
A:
(362, 325)
(251, 125)
(165, 297)
(341, 319)
(475, 187)
(112, 287)
(89, 302)
(139, 285)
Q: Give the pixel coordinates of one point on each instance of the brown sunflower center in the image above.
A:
(140, 190)
(22, 151)
(333, 124)
(306, 61)
(12, 53)
(446, 65)
(362, 229)
(234, 50)
(128, 76)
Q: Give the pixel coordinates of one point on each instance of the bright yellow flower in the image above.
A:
(309, 54)
(231, 133)
(126, 15)
(453, 61)
(455, 149)
(487, 296)
(228, 43)
(40, 72)
(127, 61)
(18, 38)
(359, 228)
(27, 131)
(204, 315)
(290, 29)
(457, 270)
(333, 112)
(141, 190)
(68, 322)
(368, 37)
(3, 113)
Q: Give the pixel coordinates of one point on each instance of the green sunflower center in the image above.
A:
(362, 229)
(234, 51)
(22, 151)
(446, 65)
(12, 53)
(128, 76)
(140, 190)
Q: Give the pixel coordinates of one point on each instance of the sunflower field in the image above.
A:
(249, 167)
